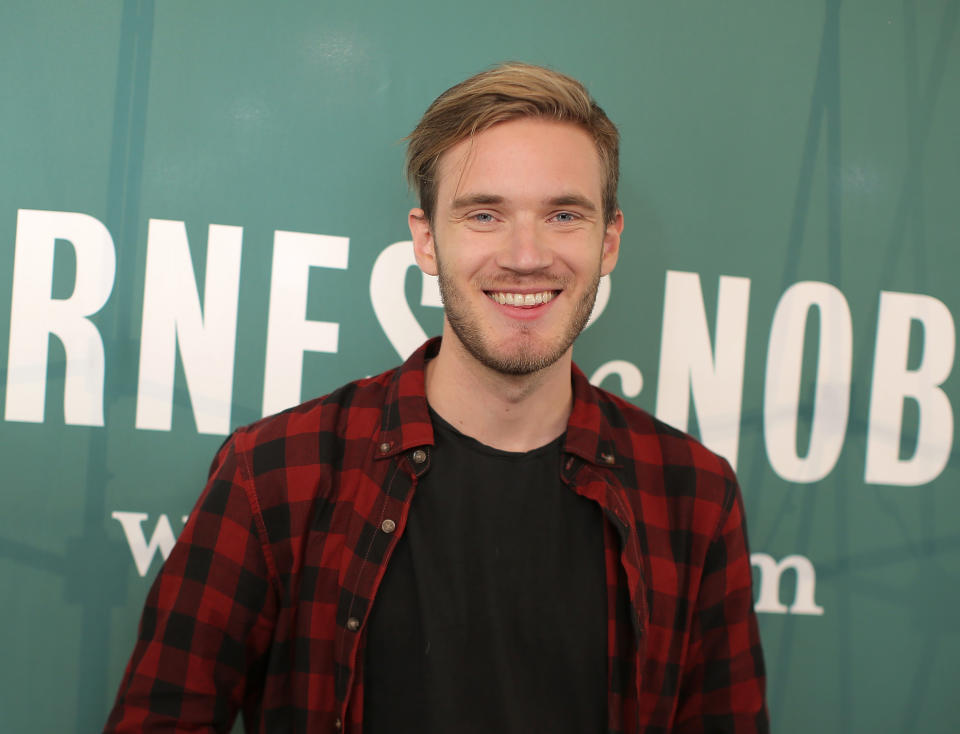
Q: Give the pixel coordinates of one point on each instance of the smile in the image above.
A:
(521, 299)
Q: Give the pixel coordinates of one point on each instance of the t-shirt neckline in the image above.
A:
(439, 424)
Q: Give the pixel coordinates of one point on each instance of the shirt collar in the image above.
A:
(589, 431)
(406, 419)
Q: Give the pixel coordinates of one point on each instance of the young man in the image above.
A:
(479, 540)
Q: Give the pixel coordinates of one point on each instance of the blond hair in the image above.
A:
(507, 92)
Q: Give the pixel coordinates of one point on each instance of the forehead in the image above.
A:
(523, 157)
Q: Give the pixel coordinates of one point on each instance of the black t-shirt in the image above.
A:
(492, 614)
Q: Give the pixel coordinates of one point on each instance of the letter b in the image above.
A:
(893, 383)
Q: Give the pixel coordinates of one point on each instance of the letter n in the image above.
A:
(688, 363)
(172, 317)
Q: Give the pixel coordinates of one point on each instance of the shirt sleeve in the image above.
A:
(208, 617)
(723, 683)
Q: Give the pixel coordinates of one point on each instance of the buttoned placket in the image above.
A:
(590, 481)
(412, 464)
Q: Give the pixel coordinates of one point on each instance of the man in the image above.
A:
(479, 540)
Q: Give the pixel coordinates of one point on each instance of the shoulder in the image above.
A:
(310, 433)
(288, 465)
(660, 458)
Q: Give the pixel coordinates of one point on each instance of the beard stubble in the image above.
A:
(528, 359)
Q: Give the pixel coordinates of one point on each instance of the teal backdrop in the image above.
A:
(175, 172)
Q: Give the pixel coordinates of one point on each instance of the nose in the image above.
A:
(525, 248)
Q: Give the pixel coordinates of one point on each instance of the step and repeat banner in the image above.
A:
(203, 220)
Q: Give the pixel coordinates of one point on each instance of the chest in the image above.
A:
(493, 603)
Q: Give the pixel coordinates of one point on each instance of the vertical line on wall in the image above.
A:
(123, 217)
(844, 614)
(824, 109)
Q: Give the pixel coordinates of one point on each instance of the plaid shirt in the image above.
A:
(261, 606)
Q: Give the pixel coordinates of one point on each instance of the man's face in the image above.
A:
(518, 241)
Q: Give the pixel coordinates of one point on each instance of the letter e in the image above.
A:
(289, 334)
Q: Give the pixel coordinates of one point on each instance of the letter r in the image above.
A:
(35, 315)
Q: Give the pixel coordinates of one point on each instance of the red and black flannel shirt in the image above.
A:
(262, 604)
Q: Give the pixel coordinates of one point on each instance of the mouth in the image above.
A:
(522, 300)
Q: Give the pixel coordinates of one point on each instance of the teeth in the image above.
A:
(521, 299)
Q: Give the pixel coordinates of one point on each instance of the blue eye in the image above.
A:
(483, 218)
(565, 217)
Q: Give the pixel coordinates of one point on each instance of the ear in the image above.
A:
(423, 243)
(611, 244)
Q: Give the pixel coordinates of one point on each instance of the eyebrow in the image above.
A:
(464, 202)
(572, 200)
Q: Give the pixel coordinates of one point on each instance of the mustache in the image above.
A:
(505, 281)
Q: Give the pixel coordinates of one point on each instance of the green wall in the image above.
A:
(785, 290)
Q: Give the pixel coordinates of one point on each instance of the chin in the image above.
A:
(526, 359)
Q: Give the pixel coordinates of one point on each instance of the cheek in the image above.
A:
(583, 256)
(468, 256)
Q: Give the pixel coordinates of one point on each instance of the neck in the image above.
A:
(507, 412)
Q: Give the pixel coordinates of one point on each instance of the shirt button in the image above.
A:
(388, 526)
(385, 447)
(338, 725)
(353, 624)
(419, 456)
(607, 458)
